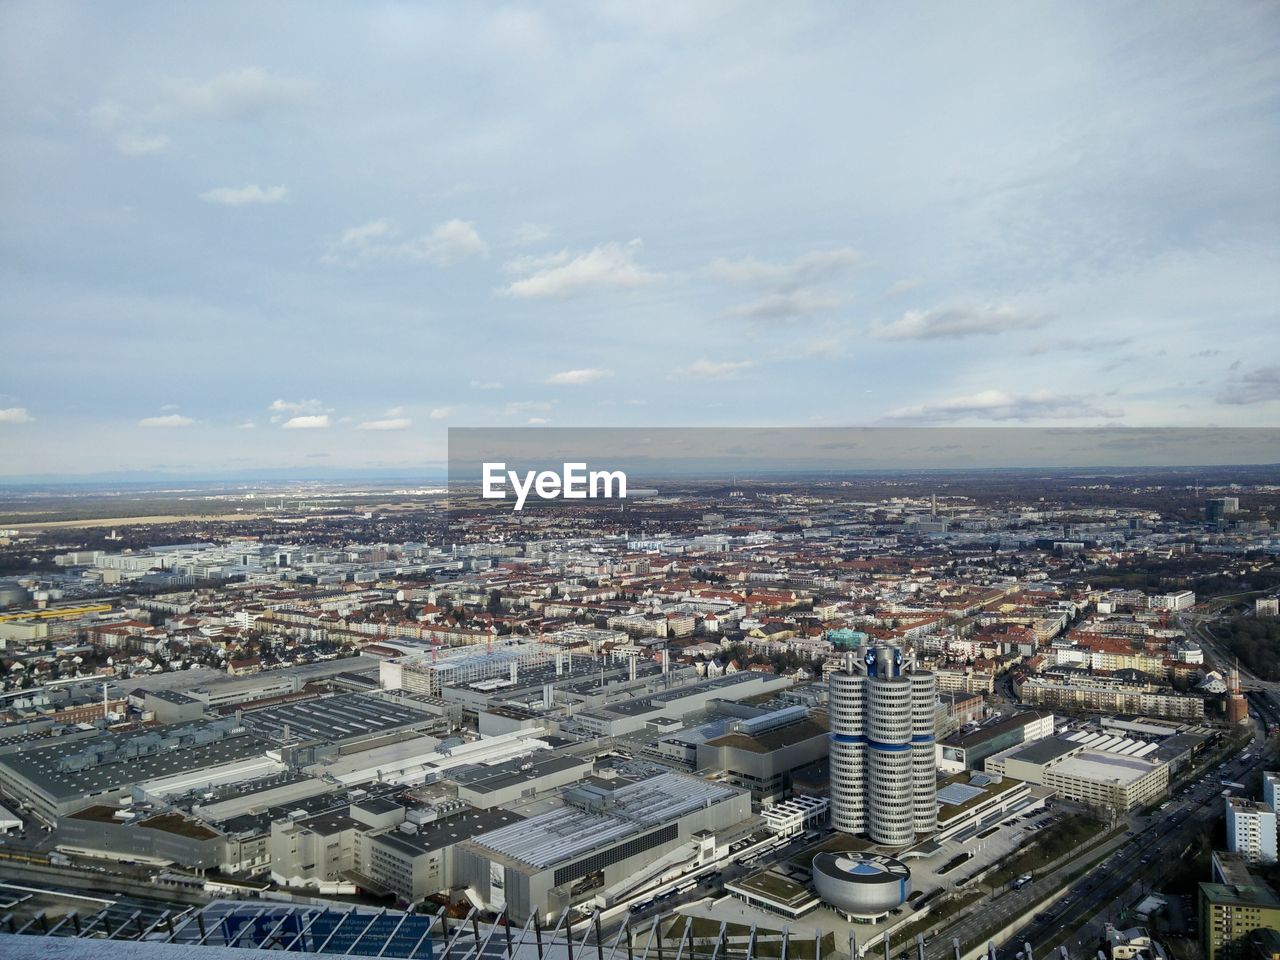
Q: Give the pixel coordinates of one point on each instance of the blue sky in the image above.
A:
(292, 235)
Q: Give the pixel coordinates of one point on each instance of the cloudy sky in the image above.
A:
(318, 234)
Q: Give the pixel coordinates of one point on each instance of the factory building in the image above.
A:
(418, 860)
(72, 773)
(674, 704)
(607, 833)
(883, 779)
(760, 754)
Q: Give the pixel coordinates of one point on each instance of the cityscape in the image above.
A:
(921, 714)
(653, 480)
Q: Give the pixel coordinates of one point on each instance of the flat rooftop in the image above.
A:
(980, 788)
(342, 717)
(40, 765)
(1045, 751)
(776, 739)
(1237, 895)
(1105, 767)
(993, 730)
(596, 816)
(775, 887)
(447, 832)
(500, 776)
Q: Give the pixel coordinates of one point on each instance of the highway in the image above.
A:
(1138, 865)
(1134, 860)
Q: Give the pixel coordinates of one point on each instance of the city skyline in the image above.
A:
(229, 253)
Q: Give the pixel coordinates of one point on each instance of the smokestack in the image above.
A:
(515, 672)
(105, 711)
(559, 662)
(666, 661)
(632, 660)
(548, 695)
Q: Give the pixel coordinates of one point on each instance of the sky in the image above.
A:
(316, 235)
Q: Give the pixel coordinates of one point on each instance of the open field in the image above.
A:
(135, 521)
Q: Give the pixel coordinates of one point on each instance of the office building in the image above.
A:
(883, 780)
(1216, 508)
(968, 750)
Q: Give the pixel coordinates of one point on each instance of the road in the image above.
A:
(1137, 866)
(1133, 860)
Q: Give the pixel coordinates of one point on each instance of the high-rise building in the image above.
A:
(1219, 507)
(1251, 830)
(883, 776)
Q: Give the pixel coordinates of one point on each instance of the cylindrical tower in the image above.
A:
(924, 779)
(847, 698)
(883, 779)
(890, 813)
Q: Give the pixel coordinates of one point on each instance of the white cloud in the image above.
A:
(486, 385)
(447, 243)
(953, 323)
(450, 241)
(527, 234)
(812, 267)
(526, 406)
(535, 421)
(1076, 345)
(904, 286)
(15, 415)
(296, 406)
(136, 143)
(794, 290)
(366, 232)
(441, 413)
(129, 138)
(167, 421)
(577, 377)
(247, 195)
(283, 409)
(787, 305)
(712, 370)
(536, 262)
(1256, 386)
(247, 425)
(310, 422)
(393, 423)
(243, 94)
(999, 405)
(608, 265)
